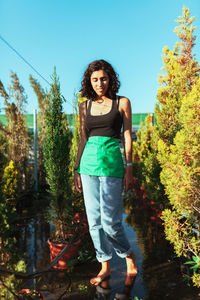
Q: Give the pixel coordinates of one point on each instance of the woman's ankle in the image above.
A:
(105, 267)
(131, 264)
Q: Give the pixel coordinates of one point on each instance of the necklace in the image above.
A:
(100, 106)
(100, 101)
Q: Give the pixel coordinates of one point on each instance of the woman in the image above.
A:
(99, 169)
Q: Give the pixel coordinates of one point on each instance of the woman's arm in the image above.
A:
(125, 109)
(81, 146)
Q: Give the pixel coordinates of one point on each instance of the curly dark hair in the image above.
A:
(114, 83)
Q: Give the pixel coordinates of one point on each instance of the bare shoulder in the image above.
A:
(124, 100)
(82, 107)
(124, 103)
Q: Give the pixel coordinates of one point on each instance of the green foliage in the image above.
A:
(10, 256)
(82, 287)
(181, 163)
(43, 103)
(195, 262)
(76, 134)
(181, 177)
(12, 282)
(8, 214)
(56, 154)
(15, 133)
(173, 150)
(77, 198)
(3, 160)
(178, 147)
(7, 231)
(146, 166)
(10, 184)
(196, 279)
(181, 73)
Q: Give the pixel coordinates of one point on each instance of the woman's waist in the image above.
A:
(102, 156)
(102, 141)
(100, 147)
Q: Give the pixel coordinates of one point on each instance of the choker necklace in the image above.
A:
(100, 101)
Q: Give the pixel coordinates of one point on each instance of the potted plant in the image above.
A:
(56, 150)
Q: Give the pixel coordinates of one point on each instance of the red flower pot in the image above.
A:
(56, 248)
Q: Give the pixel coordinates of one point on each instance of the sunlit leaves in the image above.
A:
(10, 184)
(15, 132)
(177, 146)
(181, 73)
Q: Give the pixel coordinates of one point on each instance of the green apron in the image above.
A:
(102, 157)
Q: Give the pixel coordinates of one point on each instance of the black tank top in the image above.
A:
(108, 125)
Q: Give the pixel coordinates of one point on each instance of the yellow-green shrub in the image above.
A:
(181, 178)
(10, 183)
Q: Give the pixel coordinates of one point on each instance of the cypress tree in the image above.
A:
(56, 155)
(181, 178)
(176, 145)
(178, 151)
(181, 72)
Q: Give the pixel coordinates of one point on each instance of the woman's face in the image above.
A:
(100, 82)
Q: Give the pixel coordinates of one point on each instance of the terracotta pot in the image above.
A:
(56, 248)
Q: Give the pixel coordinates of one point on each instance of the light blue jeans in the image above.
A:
(103, 203)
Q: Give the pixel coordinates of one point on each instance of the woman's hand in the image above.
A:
(128, 179)
(77, 182)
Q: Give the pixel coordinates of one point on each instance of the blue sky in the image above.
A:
(67, 34)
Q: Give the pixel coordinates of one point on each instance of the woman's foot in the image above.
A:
(103, 274)
(131, 265)
(99, 278)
